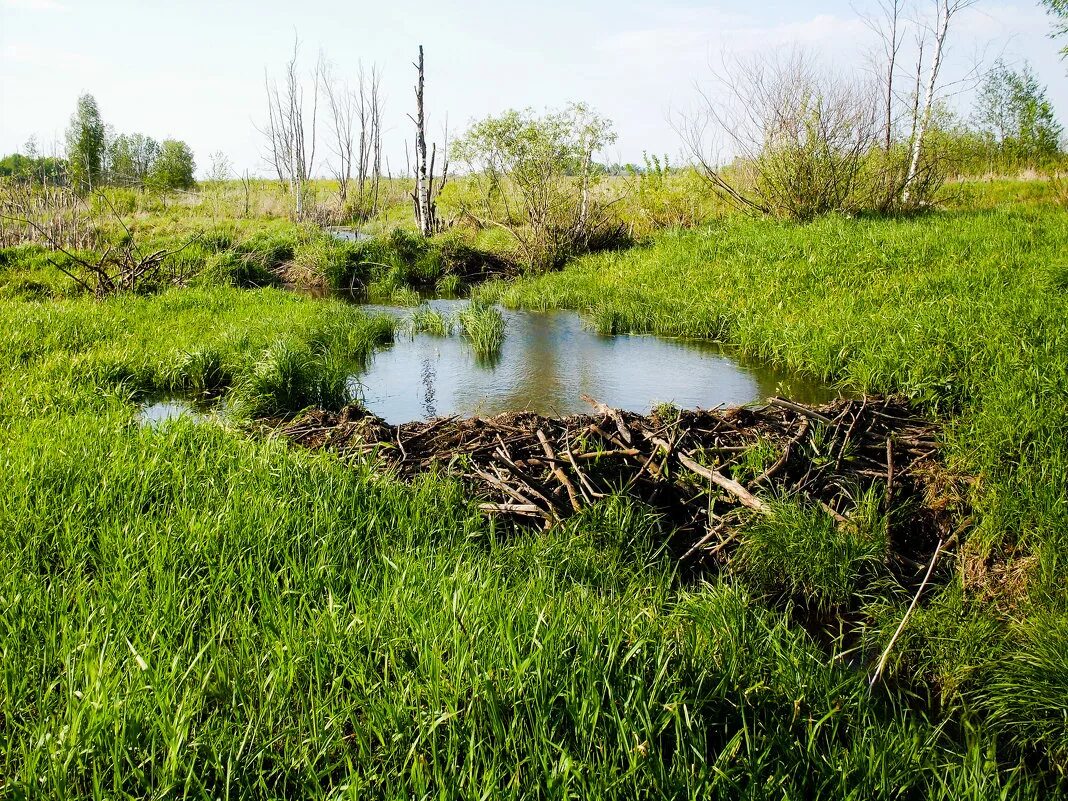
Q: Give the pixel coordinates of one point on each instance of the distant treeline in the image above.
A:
(96, 156)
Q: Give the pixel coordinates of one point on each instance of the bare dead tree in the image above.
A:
(342, 108)
(425, 194)
(290, 131)
(375, 97)
(355, 122)
(888, 24)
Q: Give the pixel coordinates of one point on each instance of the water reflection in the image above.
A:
(158, 412)
(549, 359)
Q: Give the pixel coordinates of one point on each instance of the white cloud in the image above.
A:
(692, 35)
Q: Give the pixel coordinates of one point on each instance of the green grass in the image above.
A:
(962, 310)
(190, 610)
(430, 321)
(483, 327)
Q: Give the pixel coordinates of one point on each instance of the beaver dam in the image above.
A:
(706, 472)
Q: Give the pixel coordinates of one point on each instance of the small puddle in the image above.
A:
(549, 360)
(159, 412)
(347, 234)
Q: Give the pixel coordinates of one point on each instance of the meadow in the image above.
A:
(197, 610)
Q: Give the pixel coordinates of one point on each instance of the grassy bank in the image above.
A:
(188, 611)
(962, 310)
(193, 610)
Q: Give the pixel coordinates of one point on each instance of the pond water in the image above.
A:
(156, 413)
(347, 234)
(550, 359)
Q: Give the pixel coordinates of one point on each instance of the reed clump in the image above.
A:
(483, 326)
(426, 320)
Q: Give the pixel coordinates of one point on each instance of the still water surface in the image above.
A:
(550, 359)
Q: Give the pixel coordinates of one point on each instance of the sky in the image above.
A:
(195, 70)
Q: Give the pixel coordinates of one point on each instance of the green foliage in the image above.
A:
(86, 145)
(1015, 116)
(173, 168)
(43, 169)
(535, 177)
(132, 160)
(666, 196)
(1059, 10)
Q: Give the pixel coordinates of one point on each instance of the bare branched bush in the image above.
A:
(290, 128)
(121, 267)
(796, 137)
(355, 139)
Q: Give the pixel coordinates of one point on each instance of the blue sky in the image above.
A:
(194, 70)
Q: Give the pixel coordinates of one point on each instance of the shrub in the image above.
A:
(537, 179)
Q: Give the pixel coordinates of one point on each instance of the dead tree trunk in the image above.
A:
(422, 188)
(426, 217)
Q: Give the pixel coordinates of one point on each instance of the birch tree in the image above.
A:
(946, 10)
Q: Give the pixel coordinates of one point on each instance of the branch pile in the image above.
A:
(697, 468)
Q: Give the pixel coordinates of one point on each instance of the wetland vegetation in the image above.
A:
(193, 605)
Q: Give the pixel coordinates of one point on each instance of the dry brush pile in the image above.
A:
(707, 472)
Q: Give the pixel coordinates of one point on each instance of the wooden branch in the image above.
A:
(782, 403)
(560, 475)
(743, 495)
(886, 654)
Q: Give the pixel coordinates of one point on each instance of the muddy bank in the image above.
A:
(707, 472)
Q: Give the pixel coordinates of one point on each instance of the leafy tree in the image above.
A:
(173, 167)
(131, 159)
(32, 168)
(537, 176)
(1059, 10)
(86, 143)
(1013, 112)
